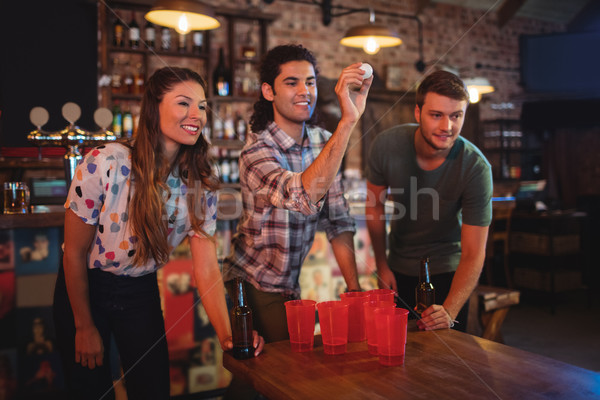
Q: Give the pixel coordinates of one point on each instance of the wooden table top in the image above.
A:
(444, 364)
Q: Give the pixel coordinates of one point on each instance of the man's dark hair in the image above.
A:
(443, 83)
(270, 68)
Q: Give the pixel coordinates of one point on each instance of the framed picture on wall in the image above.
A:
(393, 77)
(203, 378)
(37, 251)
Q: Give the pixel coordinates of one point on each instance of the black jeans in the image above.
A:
(406, 292)
(129, 309)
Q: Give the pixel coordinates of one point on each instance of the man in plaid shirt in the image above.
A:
(291, 185)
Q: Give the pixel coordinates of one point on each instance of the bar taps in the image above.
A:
(72, 137)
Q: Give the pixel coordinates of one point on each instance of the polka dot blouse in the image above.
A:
(99, 195)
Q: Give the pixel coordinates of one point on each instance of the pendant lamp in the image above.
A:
(183, 15)
(371, 37)
(478, 86)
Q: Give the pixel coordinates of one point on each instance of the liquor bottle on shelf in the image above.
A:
(116, 77)
(134, 32)
(228, 124)
(118, 32)
(117, 125)
(234, 175)
(198, 40)
(241, 128)
(248, 48)
(217, 127)
(424, 292)
(138, 80)
(128, 81)
(182, 42)
(127, 123)
(225, 170)
(222, 77)
(165, 39)
(150, 35)
(241, 324)
(247, 80)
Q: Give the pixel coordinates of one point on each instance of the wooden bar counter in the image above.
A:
(444, 364)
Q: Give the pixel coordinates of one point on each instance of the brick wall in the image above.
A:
(452, 36)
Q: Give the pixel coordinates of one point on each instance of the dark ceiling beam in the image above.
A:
(507, 10)
(587, 19)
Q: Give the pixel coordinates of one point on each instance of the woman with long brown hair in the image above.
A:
(130, 204)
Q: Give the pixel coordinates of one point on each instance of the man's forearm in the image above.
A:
(375, 217)
(343, 249)
(473, 239)
(465, 280)
(319, 176)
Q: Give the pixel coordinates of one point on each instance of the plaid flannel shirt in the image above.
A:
(279, 221)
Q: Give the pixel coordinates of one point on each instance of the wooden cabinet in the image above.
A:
(512, 153)
(124, 69)
(246, 42)
(545, 252)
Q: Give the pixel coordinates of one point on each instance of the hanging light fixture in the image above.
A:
(371, 37)
(183, 15)
(478, 86)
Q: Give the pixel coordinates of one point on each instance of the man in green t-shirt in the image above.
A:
(441, 188)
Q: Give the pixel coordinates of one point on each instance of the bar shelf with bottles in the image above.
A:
(235, 87)
(512, 154)
(130, 50)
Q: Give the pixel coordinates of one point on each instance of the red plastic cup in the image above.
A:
(333, 317)
(391, 335)
(369, 309)
(381, 294)
(356, 315)
(301, 324)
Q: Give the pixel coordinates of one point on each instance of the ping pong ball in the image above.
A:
(368, 70)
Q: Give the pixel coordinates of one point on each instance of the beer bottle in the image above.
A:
(118, 32)
(150, 35)
(134, 32)
(222, 77)
(241, 324)
(424, 292)
(197, 40)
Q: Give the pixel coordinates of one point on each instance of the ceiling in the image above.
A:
(560, 11)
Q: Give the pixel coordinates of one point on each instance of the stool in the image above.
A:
(488, 306)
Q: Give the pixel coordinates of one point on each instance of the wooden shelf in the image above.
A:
(42, 220)
(230, 144)
(157, 52)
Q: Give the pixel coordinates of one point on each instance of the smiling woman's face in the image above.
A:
(182, 116)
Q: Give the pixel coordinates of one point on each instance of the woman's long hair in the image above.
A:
(270, 68)
(150, 168)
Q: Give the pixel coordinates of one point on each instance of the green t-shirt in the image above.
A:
(429, 206)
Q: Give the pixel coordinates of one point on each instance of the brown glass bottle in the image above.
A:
(222, 77)
(424, 292)
(241, 324)
(118, 32)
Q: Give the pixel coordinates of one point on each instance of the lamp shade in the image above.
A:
(371, 37)
(183, 15)
(478, 86)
